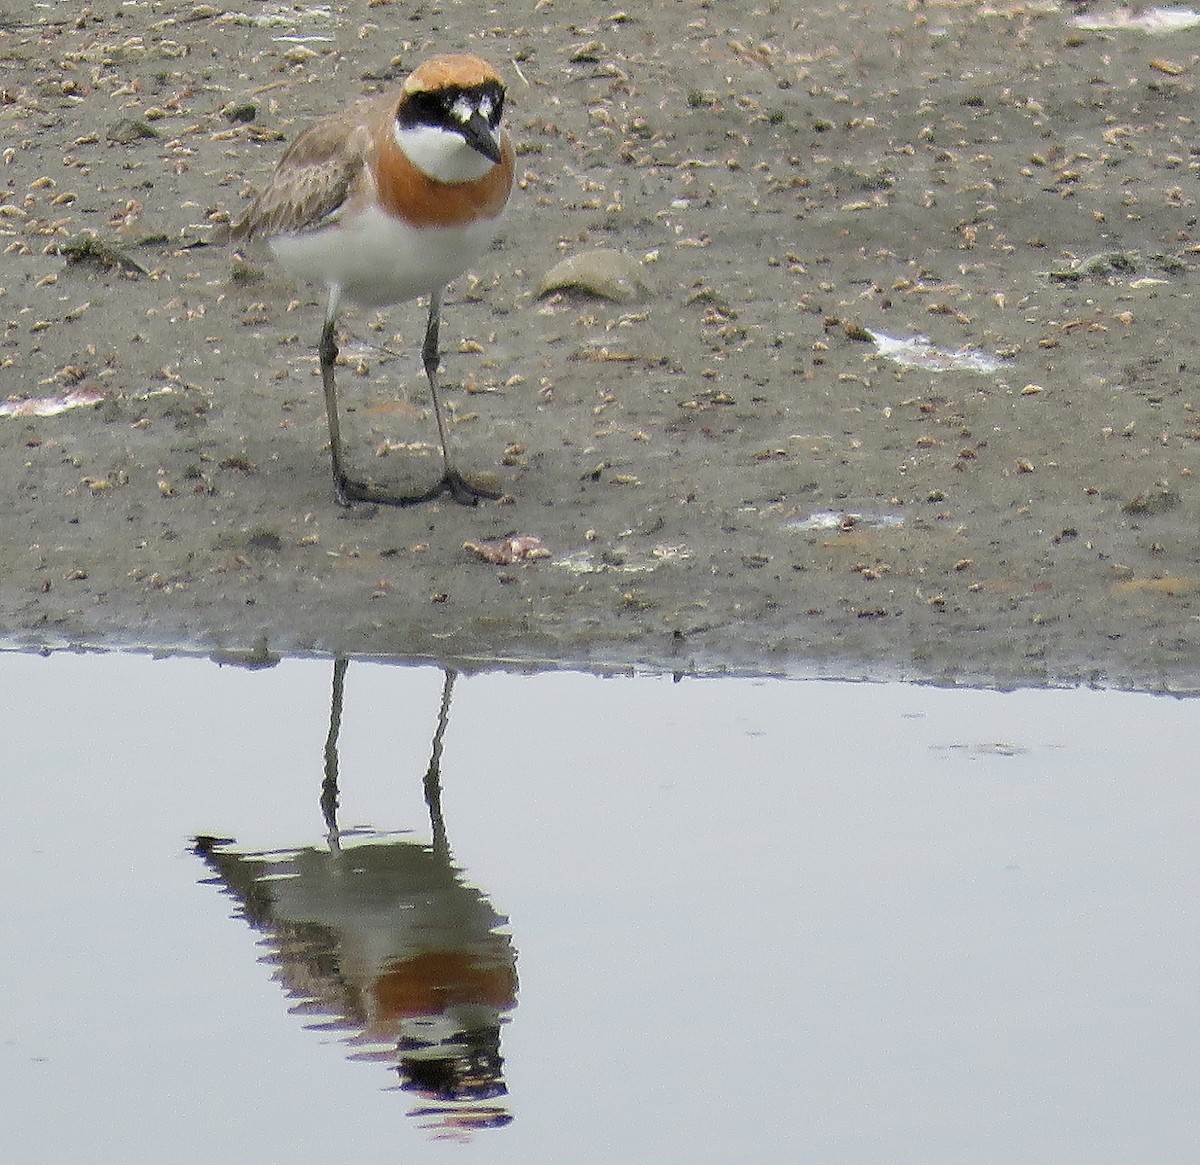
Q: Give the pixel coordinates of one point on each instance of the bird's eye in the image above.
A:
(424, 107)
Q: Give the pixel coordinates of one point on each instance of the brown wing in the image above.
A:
(315, 176)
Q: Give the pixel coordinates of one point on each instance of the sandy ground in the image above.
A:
(728, 473)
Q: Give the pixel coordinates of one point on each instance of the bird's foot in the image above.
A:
(464, 492)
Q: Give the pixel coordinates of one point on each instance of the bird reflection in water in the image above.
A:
(382, 940)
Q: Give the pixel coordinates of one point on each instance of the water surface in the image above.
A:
(565, 918)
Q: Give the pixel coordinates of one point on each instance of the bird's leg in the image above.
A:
(346, 489)
(452, 482)
(327, 350)
(430, 358)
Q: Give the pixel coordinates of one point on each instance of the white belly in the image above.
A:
(375, 260)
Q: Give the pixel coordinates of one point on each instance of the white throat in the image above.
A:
(442, 155)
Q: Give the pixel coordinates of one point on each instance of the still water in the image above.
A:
(377, 913)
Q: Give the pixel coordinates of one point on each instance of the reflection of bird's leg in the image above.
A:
(433, 774)
(329, 787)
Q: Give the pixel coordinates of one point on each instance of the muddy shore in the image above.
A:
(728, 472)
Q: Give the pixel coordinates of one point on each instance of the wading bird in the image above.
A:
(387, 200)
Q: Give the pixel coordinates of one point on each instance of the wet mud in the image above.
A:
(742, 457)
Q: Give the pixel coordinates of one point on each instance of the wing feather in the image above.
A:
(318, 173)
